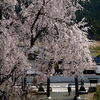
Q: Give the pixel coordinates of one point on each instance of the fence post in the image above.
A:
(76, 88)
(0, 14)
(48, 87)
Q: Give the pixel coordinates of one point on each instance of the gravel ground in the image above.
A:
(55, 96)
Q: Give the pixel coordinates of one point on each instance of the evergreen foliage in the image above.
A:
(26, 3)
(91, 13)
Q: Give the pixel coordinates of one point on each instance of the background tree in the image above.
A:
(91, 13)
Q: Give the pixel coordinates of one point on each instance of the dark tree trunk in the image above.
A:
(0, 14)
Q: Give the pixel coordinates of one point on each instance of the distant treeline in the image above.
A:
(91, 13)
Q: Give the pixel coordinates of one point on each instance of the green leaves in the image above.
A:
(91, 12)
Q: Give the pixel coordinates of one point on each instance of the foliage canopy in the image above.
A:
(91, 13)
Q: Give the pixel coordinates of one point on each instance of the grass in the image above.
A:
(97, 94)
(88, 96)
(92, 96)
(95, 49)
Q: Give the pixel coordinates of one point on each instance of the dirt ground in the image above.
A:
(88, 96)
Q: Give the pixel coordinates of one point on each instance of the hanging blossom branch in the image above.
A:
(6, 77)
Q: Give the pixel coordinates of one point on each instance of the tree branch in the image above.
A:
(8, 76)
(37, 35)
(37, 17)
